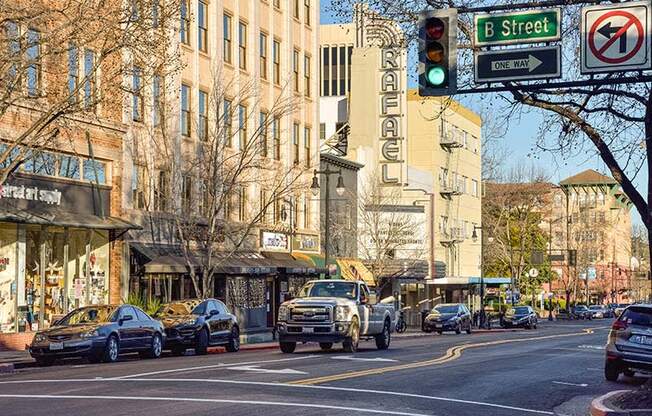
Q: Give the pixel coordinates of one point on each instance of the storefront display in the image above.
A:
(8, 246)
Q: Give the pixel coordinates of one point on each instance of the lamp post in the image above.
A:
(314, 188)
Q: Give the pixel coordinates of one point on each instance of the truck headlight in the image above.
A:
(341, 313)
(283, 313)
(39, 338)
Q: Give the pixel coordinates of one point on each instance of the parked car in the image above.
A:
(600, 311)
(199, 324)
(100, 333)
(581, 312)
(629, 347)
(331, 311)
(620, 308)
(448, 317)
(521, 316)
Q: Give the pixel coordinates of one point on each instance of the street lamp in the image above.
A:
(315, 188)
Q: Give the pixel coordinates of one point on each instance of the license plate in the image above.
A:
(308, 330)
(56, 346)
(641, 339)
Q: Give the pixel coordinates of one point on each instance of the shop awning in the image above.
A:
(353, 269)
(404, 269)
(66, 219)
(285, 262)
(235, 263)
(468, 280)
(318, 261)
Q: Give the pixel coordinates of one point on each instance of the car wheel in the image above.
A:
(351, 344)
(156, 348)
(629, 373)
(458, 328)
(234, 341)
(201, 347)
(426, 329)
(611, 370)
(440, 332)
(44, 361)
(534, 325)
(111, 350)
(383, 339)
(288, 347)
(468, 329)
(178, 351)
(326, 346)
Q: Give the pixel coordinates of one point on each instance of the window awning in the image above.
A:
(236, 263)
(66, 219)
(285, 262)
(352, 269)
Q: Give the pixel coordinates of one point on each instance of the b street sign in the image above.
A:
(518, 64)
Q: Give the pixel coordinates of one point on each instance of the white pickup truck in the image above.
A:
(333, 311)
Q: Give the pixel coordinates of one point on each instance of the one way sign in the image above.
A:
(517, 64)
(616, 38)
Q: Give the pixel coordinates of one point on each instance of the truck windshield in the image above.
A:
(329, 290)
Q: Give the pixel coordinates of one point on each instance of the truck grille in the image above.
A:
(310, 314)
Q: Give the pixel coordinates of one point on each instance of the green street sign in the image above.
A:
(528, 26)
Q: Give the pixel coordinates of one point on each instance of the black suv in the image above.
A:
(448, 317)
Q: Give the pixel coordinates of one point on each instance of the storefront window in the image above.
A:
(99, 267)
(95, 171)
(30, 310)
(8, 247)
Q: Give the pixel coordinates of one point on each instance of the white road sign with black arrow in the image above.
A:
(518, 64)
(616, 38)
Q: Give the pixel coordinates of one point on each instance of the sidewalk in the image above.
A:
(624, 402)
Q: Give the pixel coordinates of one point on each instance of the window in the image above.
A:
(185, 110)
(136, 94)
(242, 45)
(89, 78)
(295, 142)
(277, 4)
(33, 53)
(322, 132)
(184, 30)
(242, 126)
(295, 69)
(139, 186)
(263, 55)
(306, 211)
(242, 204)
(186, 194)
(156, 99)
(202, 26)
(203, 115)
(306, 11)
(155, 17)
(228, 125)
(95, 171)
(13, 36)
(474, 188)
(306, 75)
(73, 73)
(69, 167)
(325, 61)
(276, 133)
(295, 9)
(227, 38)
(306, 145)
(276, 62)
(41, 163)
(262, 120)
(162, 191)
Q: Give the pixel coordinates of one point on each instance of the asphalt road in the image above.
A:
(554, 370)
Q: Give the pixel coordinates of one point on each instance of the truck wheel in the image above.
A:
(611, 371)
(326, 346)
(288, 347)
(384, 338)
(351, 344)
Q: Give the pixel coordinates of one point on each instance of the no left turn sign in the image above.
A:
(616, 38)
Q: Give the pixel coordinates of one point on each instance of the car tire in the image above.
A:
(629, 373)
(111, 349)
(468, 329)
(426, 329)
(234, 340)
(201, 346)
(351, 344)
(178, 351)
(534, 326)
(458, 328)
(326, 346)
(383, 339)
(611, 371)
(440, 332)
(288, 347)
(44, 361)
(156, 348)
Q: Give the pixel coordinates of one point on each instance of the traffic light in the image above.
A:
(572, 257)
(438, 53)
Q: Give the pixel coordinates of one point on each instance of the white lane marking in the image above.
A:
(207, 367)
(378, 359)
(591, 347)
(257, 369)
(571, 384)
(284, 385)
(198, 400)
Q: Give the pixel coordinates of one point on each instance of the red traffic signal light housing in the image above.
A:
(438, 53)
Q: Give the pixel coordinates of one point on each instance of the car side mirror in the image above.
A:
(125, 319)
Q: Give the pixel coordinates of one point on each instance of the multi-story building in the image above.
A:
(247, 80)
(368, 115)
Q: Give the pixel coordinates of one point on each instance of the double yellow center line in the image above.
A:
(451, 354)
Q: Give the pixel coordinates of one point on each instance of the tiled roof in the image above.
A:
(588, 177)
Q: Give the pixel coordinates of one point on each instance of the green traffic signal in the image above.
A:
(436, 75)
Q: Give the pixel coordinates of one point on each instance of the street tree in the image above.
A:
(64, 63)
(216, 180)
(612, 121)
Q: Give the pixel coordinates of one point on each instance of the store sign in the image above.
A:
(391, 115)
(518, 27)
(31, 193)
(270, 241)
(305, 242)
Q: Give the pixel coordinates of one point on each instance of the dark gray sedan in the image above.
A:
(99, 333)
(521, 316)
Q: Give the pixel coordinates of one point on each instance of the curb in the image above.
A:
(599, 408)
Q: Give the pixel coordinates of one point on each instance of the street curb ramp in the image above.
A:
(599, 407)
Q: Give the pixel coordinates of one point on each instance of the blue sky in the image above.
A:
(520, 138)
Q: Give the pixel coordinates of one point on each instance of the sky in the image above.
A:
(520, 139)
